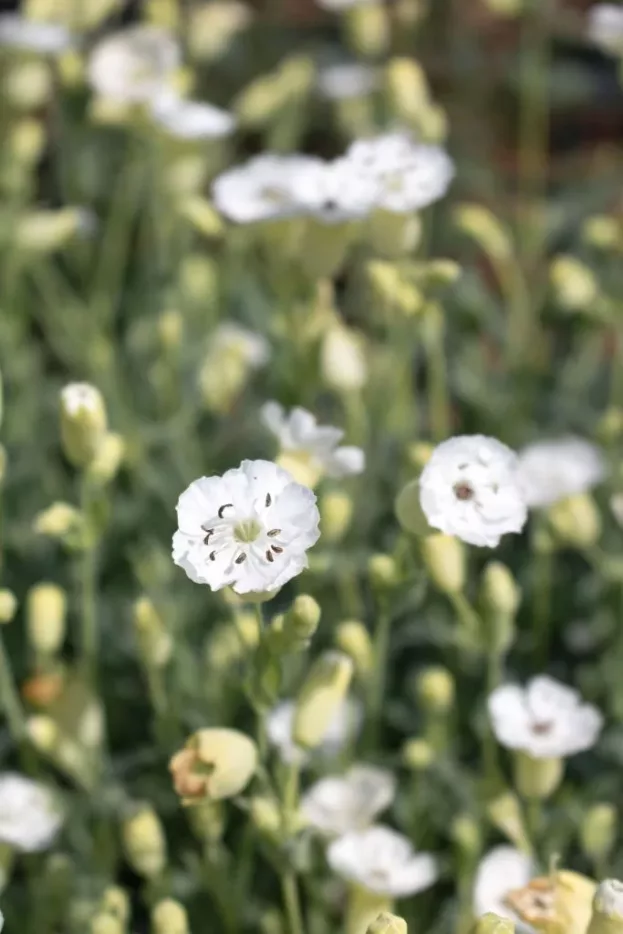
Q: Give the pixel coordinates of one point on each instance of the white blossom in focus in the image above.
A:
(501, 870)
(346, 80)
(343, 728)
(249, 529)
(552, 470)
(30, 816)
(190, 120)
(262, 189)
(338, 804)
(546, 719)
(605, 27)
(302, 439)
(470, 488)
(382, 861)
(19, 32)
(134, 66)
(411, 175)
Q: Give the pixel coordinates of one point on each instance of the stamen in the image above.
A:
(276, 549)
(241, 558)
(274, 532)
(223, 508)
(463, 491)
(212, 556)
(269, 499)
(269, 557)
(206, 540)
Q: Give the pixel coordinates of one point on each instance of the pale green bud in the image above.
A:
(343, 360)
(144, 843)
(83, 422)
(265, 815)
(394, 235)
(444, 558)
(108, 458)
(383, 572)
(202, 216)
(170, 329)
(467, 834)
(199, 279)
(610, 425)
(215, 763)
(603, 232)
(575, 287)
(387, 923)
(58, 520)
(107, 924)
(607, 917)
(26, 141)
(575, 521)
(46, 618)
(419, 453)
(48, 231)
(436, 690)
(353, 638)
(169, 917)
(483, 227)
(336, 512)
(504, 812)
(301, 621)
(500, 592)
(368, 28)
(537, 778)
(418, 755)
(322, 693)
(407, 89)
(493, 924)
(28, 84)
(8, 605)
(390, 288)
(598, 831)
(208, 820)
(43, 733)
(409, 511)
(116, 902)
(214, 26)
(154, 642)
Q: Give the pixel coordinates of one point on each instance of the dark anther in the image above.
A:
(276, 549)
(274, 532)
(223, 508)
(212, 556)
(463, 491)
(269, 557)
(269, 499)
(241, 558)
(206, 540)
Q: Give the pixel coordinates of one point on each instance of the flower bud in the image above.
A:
(409, 511)
(419, 454)
(556, 904)
(213, 28)
(170, 329)
(435, 690)
(598, 831)
(301, 622)
(8, 605)
(27, 84)
(154, 642)
(500, 592)
(383, 573)
(467, 835)
(83, 422)
(215, 763)
(418, 755)
(407, 89)
(322, 693)
(169, 917)
(107, 459)
(537, 778)
(483, 227)
(202, 216)
(107, 924)
(493, 924)
(505, 814)
(144, 843)
(607, 917)
(575, 521)
(353, 638)
(43, 733)
(58, 520)
(444, 558)
(47, 231)
(343, 359)
(265, 816)
(368, 29)
(574, 285)
(387, 923)
(603, 232)
(46, 611)
(116, 902)
(26, 142)
(336, 511)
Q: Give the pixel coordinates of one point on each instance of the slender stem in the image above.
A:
(218, 885)
(9, 698)
(291, 901)
(88, 590)
(542, 610)
(289, 884)
(379, 676)
(438, 396)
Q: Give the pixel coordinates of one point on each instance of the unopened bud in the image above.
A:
(607, 917)
(27, 84)
(301, 621)
(419, 454)
(116, 902)
(48, 231)
(336, 511)
(383, 572)
(203, 217)
(387, 923)
(484, 227)
(170, 329)
(467, 835)
(8, 605)
(43, 733)
(343, 359)
(500, 592)
(265, 816)
(505, 814)
(603, 232)
(322, 693)
(493, 924)
(598, 831)
(144, 843)
(368, 28)
(444, 557)
(215, 763)
(418, 755)
(575, 521)
(407, 89)
(409, 511)
(435, 690)
(107, 924)
(537, 778)
(27, 141)
(108, 458)
(169, 917)
(208, 820)
(58, 520)
(154, 642)
(574, 285)
(83, 422)
(353, 638)
(46, 611)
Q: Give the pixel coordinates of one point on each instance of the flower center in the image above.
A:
(541, 727)
(463, 491)
(247, 531)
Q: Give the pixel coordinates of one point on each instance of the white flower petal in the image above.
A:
(503, 869)
(552, 470)
(135, 65)
(345, 461)
(30, 816)
(339, 804)
(383, 861)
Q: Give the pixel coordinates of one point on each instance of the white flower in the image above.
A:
(503, 869)
(339, 804)
(344, 727)
(343, 361)
(191, 119)
(551, 470)
(260, 190)
(250, 348)
(249, 529)
(347, 79)
(334, 192)
(19, 32)
(382, 861)
(609, 901)
(411, 175)
(337, 6)
(134, 66)
(545, 719)
(81, 398)
(605, 27)
(30, 817)
(469, 488)
(302, 438)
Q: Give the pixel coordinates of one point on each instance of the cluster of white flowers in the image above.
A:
(551, 470)
(546, 719)
(390, 172)
(605, 27)
(342, 729)
(30, 816)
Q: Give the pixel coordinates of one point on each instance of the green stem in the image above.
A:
(542, 610)
(10, 700)
(88, 590)
(379, 676)
(291, 901)
(438, 395)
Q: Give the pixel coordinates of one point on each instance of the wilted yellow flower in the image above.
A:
(556, 904)
(215, 763)
(607, 917)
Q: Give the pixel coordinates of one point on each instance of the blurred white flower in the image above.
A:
(249, 529)
(19, 32)
(608, 905)
(30, 816)
(411, 175)
(232, 339)
(503, 869)
(469, 488)
(545, 719)
(81, 398)
(134, 66)
(337, 6)
(552, 470)
(605, 27)
(616, 505)
(338, 804)
(1, 920)
(334, 192)
(343, 359)
(302, 438)
(345, 725)
(382, 861)
(347, 79)
(191, 119)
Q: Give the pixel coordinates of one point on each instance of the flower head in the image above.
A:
(382, 861)
(334, 192)
(546, 719)
(30, 817)
(411, 175)
(469, 488)
(309, 446)
(339, 804)
(190, 120)
(214, 764)
(552, 470)
(134, 66)
(249, 529)
(19, 32)
(233, 340)
(347, 79)
(343, 727)
(503, 869)
(605, 27)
